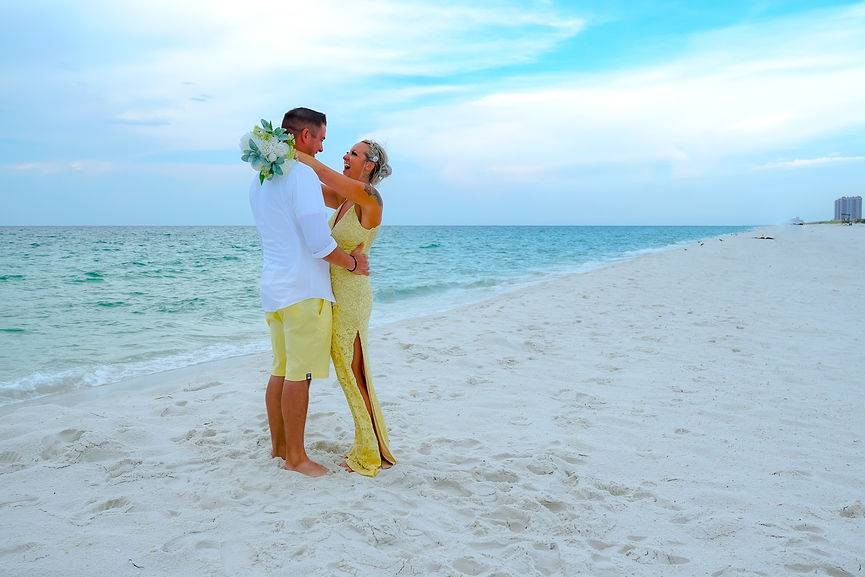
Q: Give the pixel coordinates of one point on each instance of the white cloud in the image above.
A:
(811, 162)
(742, 92)
(73, 166)
(145, 118)
(324, 54)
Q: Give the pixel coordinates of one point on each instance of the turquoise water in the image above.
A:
(87, 306)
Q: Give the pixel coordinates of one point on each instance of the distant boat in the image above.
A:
(797, 220)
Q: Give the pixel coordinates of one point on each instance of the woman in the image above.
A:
(355, 222)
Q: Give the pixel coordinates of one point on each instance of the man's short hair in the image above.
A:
(297, 119)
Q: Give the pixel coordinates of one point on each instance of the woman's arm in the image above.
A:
(360, 193)
(331, 198)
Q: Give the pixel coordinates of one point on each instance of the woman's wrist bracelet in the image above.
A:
(354, 268)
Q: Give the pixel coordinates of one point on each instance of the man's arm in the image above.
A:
(311, 217)
(356, 262)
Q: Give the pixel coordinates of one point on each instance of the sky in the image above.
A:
(532, 112)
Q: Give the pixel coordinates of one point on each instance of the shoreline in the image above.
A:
(436, 310)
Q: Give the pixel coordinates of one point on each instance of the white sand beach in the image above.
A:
(695, 411)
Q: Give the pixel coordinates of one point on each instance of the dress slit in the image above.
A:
(371, 411)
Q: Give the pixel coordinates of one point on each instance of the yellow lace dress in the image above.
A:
(351, 318)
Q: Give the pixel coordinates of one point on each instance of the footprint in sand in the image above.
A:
(122, 467)
(469, 566)
(652, 556)
(792, 473)
(495, 476)
(554, 506)
(9, 458)
(534, 347)
(201, 386)
(450, 487)
(599, 545)
(613, 489)
(811, 532)
(570, 456)
(833, 571)
(110, 504)
(29, 552)
(541, 468)
(514, 519)
(173, 411)
(70, 435)
(608, 368)
(72, 446)
(853, 511)
(461, 459)
(459, 443)
(188, 541)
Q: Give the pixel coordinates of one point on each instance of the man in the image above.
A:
(291, 219)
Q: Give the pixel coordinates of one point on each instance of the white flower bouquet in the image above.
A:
(266, 149)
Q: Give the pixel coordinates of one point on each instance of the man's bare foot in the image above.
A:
(309, 468)
(277, 454)
(386, 464)
(346, 466)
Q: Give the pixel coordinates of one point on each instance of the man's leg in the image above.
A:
(295, 403)
(273, 402)
(273, 395)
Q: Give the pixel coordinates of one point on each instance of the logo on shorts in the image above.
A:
(308, 376)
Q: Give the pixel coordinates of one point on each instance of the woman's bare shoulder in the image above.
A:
(371, 190)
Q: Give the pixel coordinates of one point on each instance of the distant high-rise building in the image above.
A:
(848, 208)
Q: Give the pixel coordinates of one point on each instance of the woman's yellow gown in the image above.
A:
(351, 319)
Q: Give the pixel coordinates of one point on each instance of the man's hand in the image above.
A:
(362, 261)
(342, 259)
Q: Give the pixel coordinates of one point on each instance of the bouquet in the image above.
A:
(266, 149)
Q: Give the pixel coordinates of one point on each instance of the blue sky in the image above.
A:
(494, 112)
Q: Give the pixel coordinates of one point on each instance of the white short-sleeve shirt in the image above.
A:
(291, 219)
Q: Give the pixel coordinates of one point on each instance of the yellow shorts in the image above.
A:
(300, 337)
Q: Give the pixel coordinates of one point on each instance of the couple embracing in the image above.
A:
(315, 290)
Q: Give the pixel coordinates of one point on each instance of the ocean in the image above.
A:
(89, 306)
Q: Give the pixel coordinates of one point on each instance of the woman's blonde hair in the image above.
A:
(377, 156)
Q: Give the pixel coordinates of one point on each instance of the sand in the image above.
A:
(694, 411)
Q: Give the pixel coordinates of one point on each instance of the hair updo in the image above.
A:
(377, 156)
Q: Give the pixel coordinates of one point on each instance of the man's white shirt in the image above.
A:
(291, 219)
